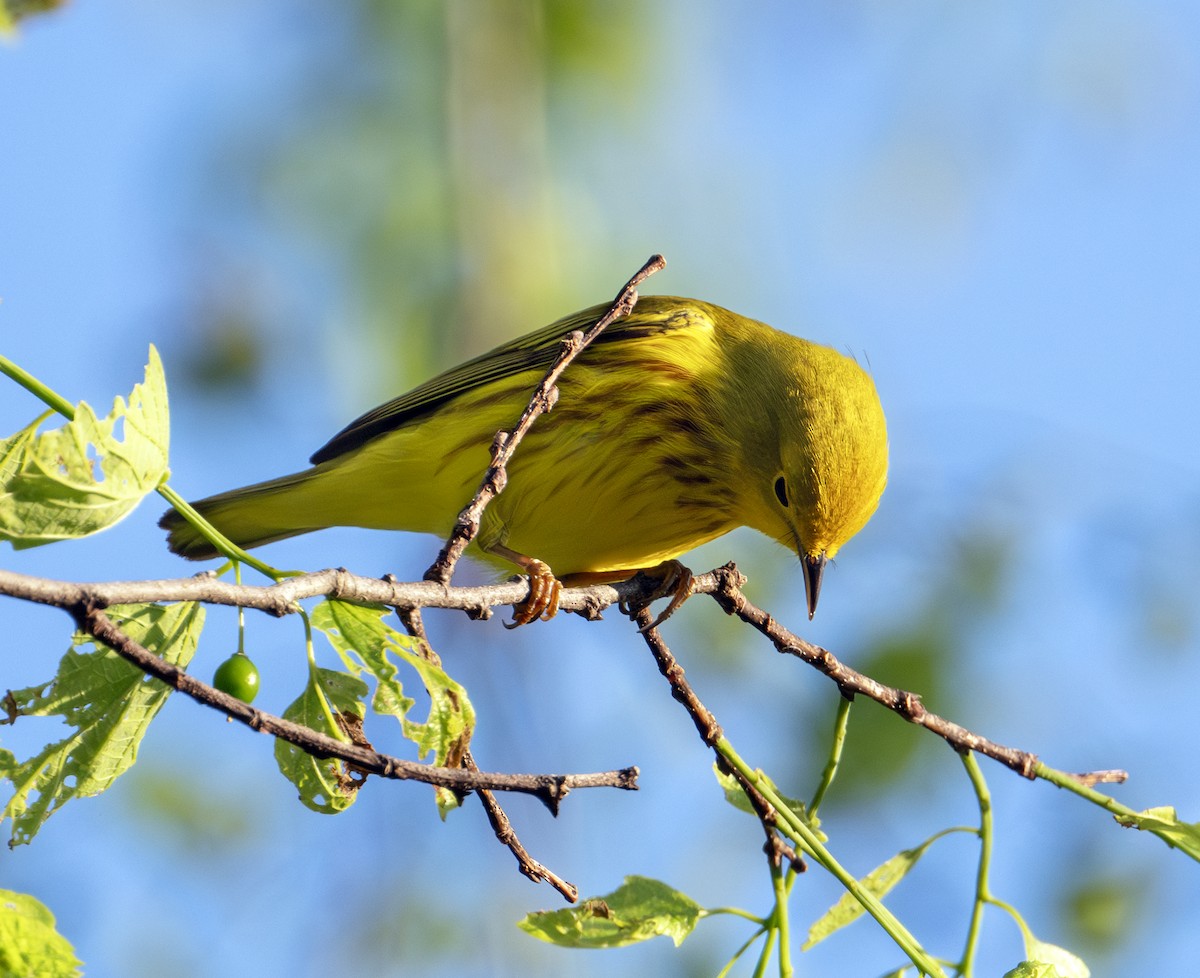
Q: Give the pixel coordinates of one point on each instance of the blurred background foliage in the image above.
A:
(311, 209)
(416, 162)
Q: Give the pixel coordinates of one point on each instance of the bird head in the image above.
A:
(833, 457)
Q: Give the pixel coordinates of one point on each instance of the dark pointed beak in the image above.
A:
(814, 569)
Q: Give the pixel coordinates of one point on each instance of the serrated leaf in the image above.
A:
(108, 701)
(30, 943)
(366, 643)
(324, 783)
(879, 882)
(636, 911)
(84, 477)
(736, 796)
(1163, 822)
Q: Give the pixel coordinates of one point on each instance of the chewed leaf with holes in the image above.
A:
(88, 474)
(639, 909)
(367, 644)
(330, 704)
(107, 701)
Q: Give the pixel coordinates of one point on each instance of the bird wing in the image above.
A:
(653, 315)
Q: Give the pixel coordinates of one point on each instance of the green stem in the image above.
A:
(37, 388)
(1008, 908)
(241, 617)
(737, 912)
(210, 533)
(835, 754)
(724, 972)
(335, 729)
(764, 957)
(803, 835)
(1062, 779)
(982, 894)
(780, 920)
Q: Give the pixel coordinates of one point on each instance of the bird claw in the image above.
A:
(544, 592)
(674, 579)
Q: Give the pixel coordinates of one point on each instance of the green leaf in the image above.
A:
(324, 783)
(368, 644)
(1033, 969)
(879, 882)
(30, 944)
(1164, 823)
(108, 701)
(639, 909)
(13, 10)
(736, 796)
(1061, 962)
(84, 477)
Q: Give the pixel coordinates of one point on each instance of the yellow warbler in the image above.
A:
(679, 423)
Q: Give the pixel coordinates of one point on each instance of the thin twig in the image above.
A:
(503, 829)
(752, 780)
(850, 682)
(496, 816)
(710, 731)
(543, 399)
(706, 724)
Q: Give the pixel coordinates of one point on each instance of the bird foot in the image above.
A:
(544, 592)
(673, 579)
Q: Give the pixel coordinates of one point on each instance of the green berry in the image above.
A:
(237, 676)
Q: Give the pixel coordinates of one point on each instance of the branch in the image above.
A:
(283, 598)
(545, 395)
(772, 813)
(729, 596)
(549, 788)
(496, 816)
(724, 584)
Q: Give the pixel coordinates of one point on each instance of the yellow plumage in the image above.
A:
(681, 422)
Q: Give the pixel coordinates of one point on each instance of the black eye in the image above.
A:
(781, 491)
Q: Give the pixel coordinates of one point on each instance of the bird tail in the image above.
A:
(248, 517)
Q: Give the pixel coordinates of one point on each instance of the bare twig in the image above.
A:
(1090, 779)
(529, 866)
(496, 816)
(544, 397)
(706, 724)
(710, 732)
(850, 682)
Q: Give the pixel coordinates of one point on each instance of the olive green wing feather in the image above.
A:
(536, 350)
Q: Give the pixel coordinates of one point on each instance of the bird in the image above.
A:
(678, 423)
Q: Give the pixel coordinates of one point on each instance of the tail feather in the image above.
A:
(248, 517)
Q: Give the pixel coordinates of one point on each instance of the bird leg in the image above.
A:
(544, 588)
(672, 577)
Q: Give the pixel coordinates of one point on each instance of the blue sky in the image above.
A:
(998, 208)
